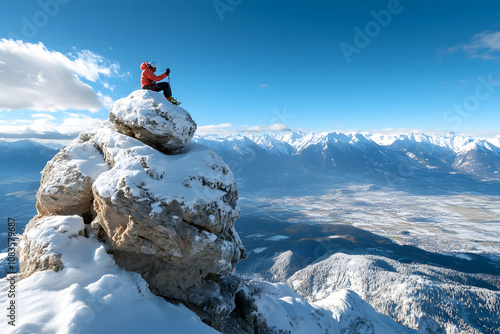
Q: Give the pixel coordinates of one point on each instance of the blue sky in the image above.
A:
(250, 66)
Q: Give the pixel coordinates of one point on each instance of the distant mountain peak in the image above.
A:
(356, 151)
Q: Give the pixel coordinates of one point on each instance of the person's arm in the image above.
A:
(151, 76)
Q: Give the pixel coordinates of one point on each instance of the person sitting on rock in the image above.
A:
(148, 81)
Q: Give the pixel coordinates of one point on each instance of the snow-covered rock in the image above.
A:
(149, 117)
(39, 244)
(169, 217)
(66, 184)
(164, 208)
(88, 293)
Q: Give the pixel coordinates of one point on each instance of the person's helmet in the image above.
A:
(152, 64)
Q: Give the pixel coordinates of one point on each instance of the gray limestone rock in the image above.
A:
(35, 248)
(149, 117)
(169, 218)
(66, 183)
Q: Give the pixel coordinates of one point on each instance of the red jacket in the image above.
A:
(147, 75)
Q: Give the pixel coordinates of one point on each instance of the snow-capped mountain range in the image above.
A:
(359, 152)
(24, 154)
(297, 141)
(328, 151)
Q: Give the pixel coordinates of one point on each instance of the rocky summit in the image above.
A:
(153, 120)
(164, 207)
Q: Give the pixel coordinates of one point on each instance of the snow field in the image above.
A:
(91, 294)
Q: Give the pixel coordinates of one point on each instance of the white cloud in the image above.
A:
(271, 128)
(44, 128)
(90, 65)
(44, 116)
(278, 127)
(485, 45)
(108, 86)
(75, 125)
(219, 129)
(36, 78)
(254, 128)
(227, 128)
(263, 85)
(106, 100)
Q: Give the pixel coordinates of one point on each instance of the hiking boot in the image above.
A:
(173, 101)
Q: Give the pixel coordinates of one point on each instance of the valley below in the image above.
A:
(423, 251)
(446, 221)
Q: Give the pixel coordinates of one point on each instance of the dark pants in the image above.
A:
(161, 86)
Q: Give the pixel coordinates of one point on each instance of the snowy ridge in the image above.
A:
(419, 296)
(293, 143)
(346, 312)
(454, 142)
(25, 154)
(362, 151)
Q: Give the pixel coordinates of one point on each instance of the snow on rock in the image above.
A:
(39, 244)
(164, 208)
(149, 117)
(196, 179)
(66, 184)
(89, 293)
(169, 217)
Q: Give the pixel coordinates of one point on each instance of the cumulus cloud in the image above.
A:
(90, 65)
(219, 129)
(271, 128)
(44, 128)
(106, 101)
(44, 116)
(75, 125)
(228, 128)
(33, 77)
(485, 45)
